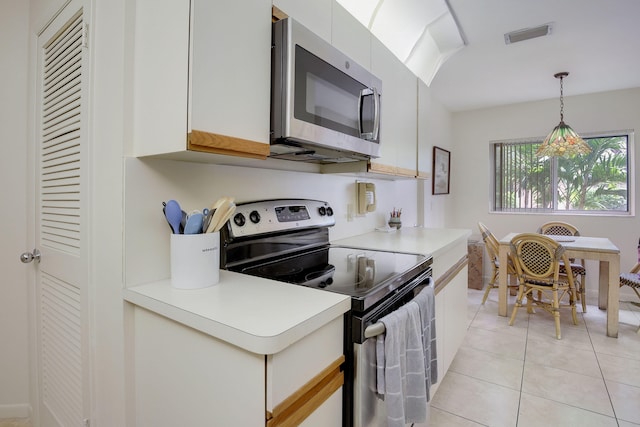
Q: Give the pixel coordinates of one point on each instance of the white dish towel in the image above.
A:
(426, 301)
(401, 366)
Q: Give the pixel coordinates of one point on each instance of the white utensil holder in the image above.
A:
(195, 260)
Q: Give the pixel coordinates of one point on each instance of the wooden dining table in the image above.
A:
(580, 247)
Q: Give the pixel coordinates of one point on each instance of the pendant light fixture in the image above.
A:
(562, 141)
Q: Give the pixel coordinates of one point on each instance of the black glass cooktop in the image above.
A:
(350, 271)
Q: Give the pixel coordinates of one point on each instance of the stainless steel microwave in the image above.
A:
(325, 108)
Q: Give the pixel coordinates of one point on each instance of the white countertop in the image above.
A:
(426, 241)
(265, 316)
(259, 315)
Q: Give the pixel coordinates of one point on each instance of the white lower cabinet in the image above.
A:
(185, 377)
(450, 268)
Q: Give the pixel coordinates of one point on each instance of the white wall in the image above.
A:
(475, 130)
(434, 129)
(14, 360)
(109, 115)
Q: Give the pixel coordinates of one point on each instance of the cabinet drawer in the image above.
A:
(299, 365)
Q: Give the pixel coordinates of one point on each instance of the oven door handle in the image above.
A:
(370, 324)
(374, 330)
(378, 328)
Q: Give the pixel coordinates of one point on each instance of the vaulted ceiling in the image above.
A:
(596, 41)
(458, 48)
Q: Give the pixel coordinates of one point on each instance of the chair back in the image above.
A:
(538, 258)
(558, 228)
(490, 241)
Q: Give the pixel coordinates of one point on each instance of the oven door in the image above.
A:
(368, 409)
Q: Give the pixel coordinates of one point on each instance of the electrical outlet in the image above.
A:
(350, 212)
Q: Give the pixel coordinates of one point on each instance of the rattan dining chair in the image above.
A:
(558, 228)
(537, 260)
(632, 279)
(492, 246)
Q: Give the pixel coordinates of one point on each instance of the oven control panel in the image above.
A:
(268, 216)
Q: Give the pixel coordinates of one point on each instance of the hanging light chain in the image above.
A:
(562, 141)
(561, 99)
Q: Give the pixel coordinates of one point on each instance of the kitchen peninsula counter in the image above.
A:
(265, 316)
(449, 250)
(426, 241)
(235, 351)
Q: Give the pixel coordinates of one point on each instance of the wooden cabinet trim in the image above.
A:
(222, 144)
(406, 172)
(443, 281)
(297, 407)
(381, 168)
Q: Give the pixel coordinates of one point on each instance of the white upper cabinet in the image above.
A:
(314, 14)
(202, 77)
(351, 37)
(398, 127)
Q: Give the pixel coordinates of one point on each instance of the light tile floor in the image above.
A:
(15, 422)
(521, 375)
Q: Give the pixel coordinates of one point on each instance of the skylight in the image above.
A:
(423, 34)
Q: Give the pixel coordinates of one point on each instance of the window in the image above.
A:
(593, 183)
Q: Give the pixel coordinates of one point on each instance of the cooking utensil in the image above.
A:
(194, 223)
(221, 212)
(183, 222)
(164, 204)
(212, 210)
(208, 214)
(221, 201)
(230, 211)
(173, 214)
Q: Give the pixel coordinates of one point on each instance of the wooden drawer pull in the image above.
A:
(297, 407)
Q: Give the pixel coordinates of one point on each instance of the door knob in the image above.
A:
(27, 257)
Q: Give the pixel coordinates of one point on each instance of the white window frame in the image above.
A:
(630, 212)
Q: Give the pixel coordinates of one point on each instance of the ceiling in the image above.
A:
(596, 41)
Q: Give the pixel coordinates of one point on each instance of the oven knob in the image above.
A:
(329, 211)
(239, 220)
(322, 211)
(254, 216)
(325, 283)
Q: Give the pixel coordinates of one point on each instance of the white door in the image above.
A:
(60, 200)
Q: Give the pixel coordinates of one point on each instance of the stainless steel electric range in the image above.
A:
(288, 240)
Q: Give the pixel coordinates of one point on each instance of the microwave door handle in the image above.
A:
(360, 112)
(376, 119)
(370, 136)
(364, 92)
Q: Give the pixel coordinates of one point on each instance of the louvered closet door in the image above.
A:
(61, 220)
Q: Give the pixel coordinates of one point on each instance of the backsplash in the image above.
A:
(197, 185)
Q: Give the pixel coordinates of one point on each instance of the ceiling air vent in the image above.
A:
(528, 33)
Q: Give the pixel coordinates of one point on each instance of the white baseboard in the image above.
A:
(15, 411)
(626, 294)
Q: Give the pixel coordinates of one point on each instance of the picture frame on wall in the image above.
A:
(441, 170)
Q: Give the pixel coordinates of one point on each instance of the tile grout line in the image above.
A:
(524, 362)
(613, 408)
